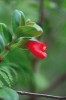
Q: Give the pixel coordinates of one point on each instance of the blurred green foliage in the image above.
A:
(49, 69)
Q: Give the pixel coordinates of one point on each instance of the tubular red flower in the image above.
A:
(37, 48)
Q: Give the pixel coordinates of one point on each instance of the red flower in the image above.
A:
(37, 48)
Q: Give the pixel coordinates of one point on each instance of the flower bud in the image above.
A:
(37, 48)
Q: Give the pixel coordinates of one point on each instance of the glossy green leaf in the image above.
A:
(18, 19)
(29, 31)
(7, 36)
(8, 94)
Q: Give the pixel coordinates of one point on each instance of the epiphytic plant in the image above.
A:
(22, 36)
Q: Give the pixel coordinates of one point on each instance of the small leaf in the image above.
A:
(14, 73)
(18, 19)
(8, 73)
(7, 36)
(2, 43)
(1, 84)
(29, 31)
(8, 94)
(21, 43)
(5, 78)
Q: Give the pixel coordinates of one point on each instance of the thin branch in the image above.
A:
(40, 95)
(41, 12)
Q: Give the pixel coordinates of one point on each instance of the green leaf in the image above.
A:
(17, 58)
(8, 94)
(6, 70)
(4, 77)
(1, 84)
(7, 36)
(8, 74)
(29, 31)
(20, 43)
(2, 43)
(28, 22)
(18, 19)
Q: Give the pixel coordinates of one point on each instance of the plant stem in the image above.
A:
(40, 95)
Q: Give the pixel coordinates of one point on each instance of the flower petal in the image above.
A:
(37, 48)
